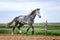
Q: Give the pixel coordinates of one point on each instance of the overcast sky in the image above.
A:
(50, 9)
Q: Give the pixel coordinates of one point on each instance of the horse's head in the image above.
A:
(38, 13)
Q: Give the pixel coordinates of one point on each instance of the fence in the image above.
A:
(46, 26)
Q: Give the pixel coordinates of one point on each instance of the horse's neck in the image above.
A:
(32, 16)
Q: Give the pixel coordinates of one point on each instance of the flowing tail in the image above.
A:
(8, 24)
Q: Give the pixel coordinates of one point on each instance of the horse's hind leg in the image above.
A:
(19, 27)
(14, 27)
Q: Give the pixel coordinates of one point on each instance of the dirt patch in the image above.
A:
(26, 37)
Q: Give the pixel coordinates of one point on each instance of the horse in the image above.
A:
(27, 19)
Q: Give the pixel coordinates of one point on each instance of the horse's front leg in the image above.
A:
(32, 30)
(28, 29)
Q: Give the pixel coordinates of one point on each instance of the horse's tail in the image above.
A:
(8, 24)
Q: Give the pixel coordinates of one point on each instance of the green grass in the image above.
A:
(42, 32)
(5, 31)
(41, 27)
(53, 27)
(37, 32)
(36, 26)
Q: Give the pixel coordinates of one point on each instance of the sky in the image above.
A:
(49, 9)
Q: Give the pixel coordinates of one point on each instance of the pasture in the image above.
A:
(39, 29)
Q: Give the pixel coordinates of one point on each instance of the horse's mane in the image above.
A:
(33, 12)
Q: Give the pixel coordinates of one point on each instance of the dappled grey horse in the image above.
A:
(28, 19)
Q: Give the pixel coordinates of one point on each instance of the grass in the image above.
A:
(37, 32)
(53, 28)
(42, 26)
(5, 31)
(37, 26)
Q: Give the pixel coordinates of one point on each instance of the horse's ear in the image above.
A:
(38, 9)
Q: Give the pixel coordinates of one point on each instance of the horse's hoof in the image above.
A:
(20, 31)
(25, 33)
(32, 34)
(12, 34)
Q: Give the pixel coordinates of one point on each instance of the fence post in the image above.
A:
(46, 24)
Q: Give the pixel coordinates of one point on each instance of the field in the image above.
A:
(39, 34)
(53, 29)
